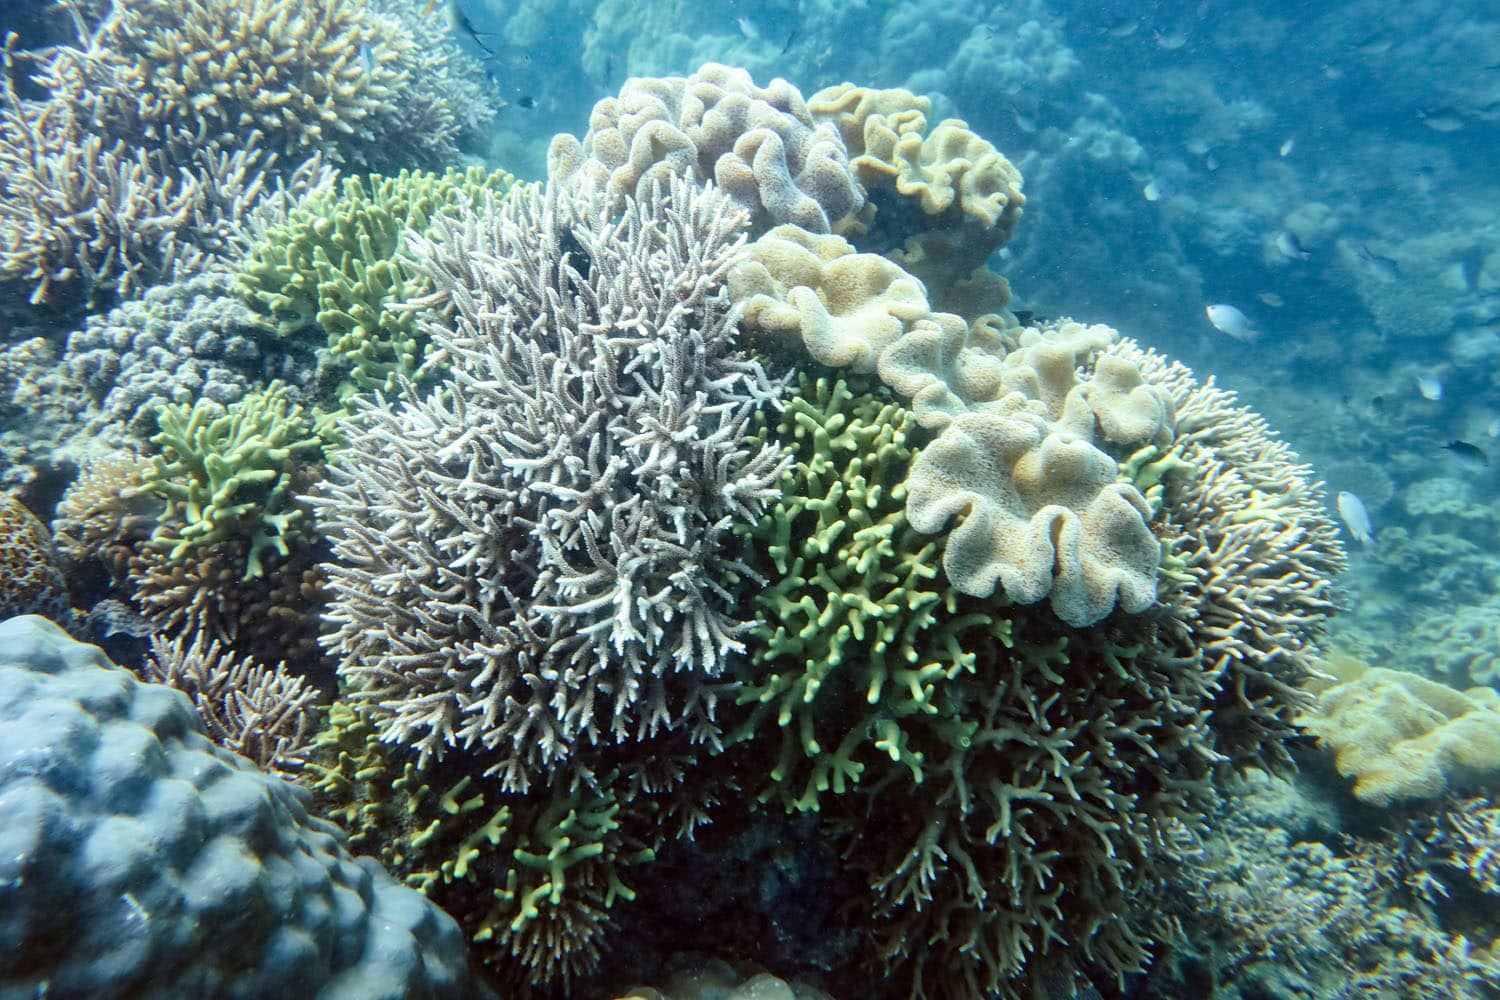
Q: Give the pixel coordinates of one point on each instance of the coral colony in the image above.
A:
(546, 544)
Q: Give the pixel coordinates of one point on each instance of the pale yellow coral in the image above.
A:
(1402, 736)
(1040, 509)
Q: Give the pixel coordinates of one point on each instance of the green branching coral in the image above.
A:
(336, 264)
(227, 475)
(532, 878)
(857, 631)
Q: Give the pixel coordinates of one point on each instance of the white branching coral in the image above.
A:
(538, 555)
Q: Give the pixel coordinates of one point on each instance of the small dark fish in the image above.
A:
(526, 101)
(1469, 455)
(792, 37)
(1382, 268)
(1377, 401)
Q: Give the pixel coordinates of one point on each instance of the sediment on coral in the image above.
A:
(536, 556)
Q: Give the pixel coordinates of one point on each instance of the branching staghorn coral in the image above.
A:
(1250, 556)
(333, 264)
(533, 878)
(267, 714)
(79, 206)
(311, 75)
(165, 121)
(537, 555)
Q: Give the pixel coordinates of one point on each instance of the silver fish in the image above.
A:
(1430, 387)
(1291, 248)
(1286, 147)
(1230, 321)
(1383, 268)
(1356, 518)
(748, 28)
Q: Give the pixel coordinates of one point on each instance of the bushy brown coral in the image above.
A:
(307, 75)
(30, 580)
(106, 515)
(272, 618)
(265, 714)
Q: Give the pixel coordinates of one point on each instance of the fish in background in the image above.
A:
(1287, 147)
(1356, 518)
(1233, 323)
(1430, 387)
(1290, 247)
(1383, 268)
(1467, 454)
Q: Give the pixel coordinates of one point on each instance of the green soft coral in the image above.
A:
(530, 877)
(227, 474)
(857, 632)
(335, 265)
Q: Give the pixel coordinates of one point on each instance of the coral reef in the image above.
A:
(327, 76)
(82, 209)
(164, 123)
(758, 144)
(187, 872)
(535, 558)
(31, 580)
(264, 714)
(1402, 736)
(1267, 912)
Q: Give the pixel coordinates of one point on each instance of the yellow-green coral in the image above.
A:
(856, 631)
(227, 475)
(531, 878)
(336, 264)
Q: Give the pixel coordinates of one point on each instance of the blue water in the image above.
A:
(1325, 169)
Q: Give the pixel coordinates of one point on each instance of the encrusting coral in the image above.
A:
(536, 557)
(1402, 736)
